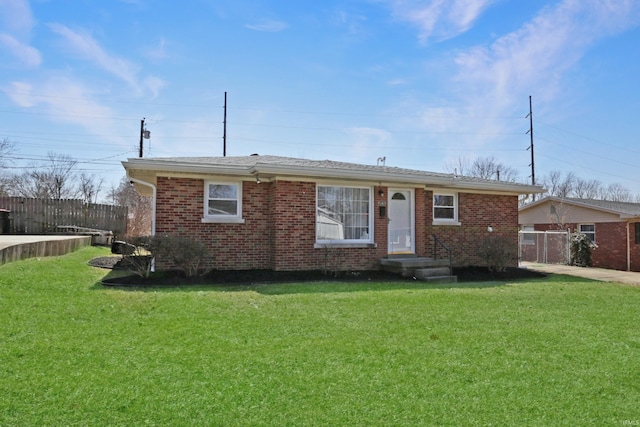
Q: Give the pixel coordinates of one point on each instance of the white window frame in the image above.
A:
(237, 219)
(368, 242)
(528, 234)
(445, 221)
(589, 234)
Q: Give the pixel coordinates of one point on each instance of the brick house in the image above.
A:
(280, 213)
(613, 226)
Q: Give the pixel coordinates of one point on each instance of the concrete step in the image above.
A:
(440, 279)
(414, 262)
(425, 273)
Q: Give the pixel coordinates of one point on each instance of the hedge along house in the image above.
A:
(613, 226)
(280, 213)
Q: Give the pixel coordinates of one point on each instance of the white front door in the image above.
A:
(401, 222)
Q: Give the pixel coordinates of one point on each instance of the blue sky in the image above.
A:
(421, 83)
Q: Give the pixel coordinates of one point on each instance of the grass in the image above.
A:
(556, 351)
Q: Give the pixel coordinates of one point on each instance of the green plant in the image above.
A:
(187, 255)
(497, 251)
(581, 247)
(347, 354)
(141, 252)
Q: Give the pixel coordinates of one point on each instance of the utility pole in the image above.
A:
(224, 128)
(530, 132)
(141, 136)
(144, 134)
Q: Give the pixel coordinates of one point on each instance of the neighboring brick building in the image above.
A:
(613, 226)
(279, 213)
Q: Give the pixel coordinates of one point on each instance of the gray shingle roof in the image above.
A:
(278, 165)
(627, 208)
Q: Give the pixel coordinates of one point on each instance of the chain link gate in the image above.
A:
(546, 247)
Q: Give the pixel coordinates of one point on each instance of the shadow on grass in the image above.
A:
(282, 283)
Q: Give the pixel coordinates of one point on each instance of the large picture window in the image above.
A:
(223, 201)
(343, 214)
(445, 208)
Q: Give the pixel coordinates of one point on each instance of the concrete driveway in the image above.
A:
(601, 274)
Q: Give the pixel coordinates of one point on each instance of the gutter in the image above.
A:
(153, 208)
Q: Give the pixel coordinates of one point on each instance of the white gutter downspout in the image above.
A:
(153, 209)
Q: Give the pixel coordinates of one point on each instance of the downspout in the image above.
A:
(153, 209)
(628, 248)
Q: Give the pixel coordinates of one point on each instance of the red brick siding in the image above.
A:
(634, 249)
(180, 208)
(279, 228)
(611, 239)
(476, 212)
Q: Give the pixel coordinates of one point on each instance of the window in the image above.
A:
(527, 238)
(589, 230)
(445, 208)
(637, 225)
(223, 202)
(343, 214)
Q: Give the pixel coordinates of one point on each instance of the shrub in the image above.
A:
(581, 247)
(186, 254)
(140, 252)
(497, 252)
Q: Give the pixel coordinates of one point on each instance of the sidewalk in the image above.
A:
(601, 274)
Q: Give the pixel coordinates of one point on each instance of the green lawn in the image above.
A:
(557, 351)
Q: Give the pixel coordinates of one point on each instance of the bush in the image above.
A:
(581, 247)
(186, 254)
(140, 251)
(497, 252)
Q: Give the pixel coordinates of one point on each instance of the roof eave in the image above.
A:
(269, 169)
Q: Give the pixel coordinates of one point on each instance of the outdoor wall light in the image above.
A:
(258, 179)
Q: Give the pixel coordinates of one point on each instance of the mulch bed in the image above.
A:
(227, 277)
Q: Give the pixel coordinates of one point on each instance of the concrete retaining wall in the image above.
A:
(41, 246)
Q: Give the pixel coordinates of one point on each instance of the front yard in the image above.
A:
(555, 351)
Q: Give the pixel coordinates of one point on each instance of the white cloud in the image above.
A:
(440, 19)
(269, 25)
(28, 55)
(154, 85)
(88, 47)
(16, 15)
(20, 93)
(540, 53)
(365, 142)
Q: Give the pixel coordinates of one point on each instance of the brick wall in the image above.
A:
(476, 212)
(180, 208)
(635, 249)
(611, 239)
(279, 228)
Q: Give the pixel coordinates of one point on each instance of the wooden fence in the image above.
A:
(42, 216)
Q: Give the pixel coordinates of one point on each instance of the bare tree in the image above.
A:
(484, 168)
(559, 186)
(140, 207)
(89, 186)
(587, 189)
(7, 147)
(54, 179)
(618, 193)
